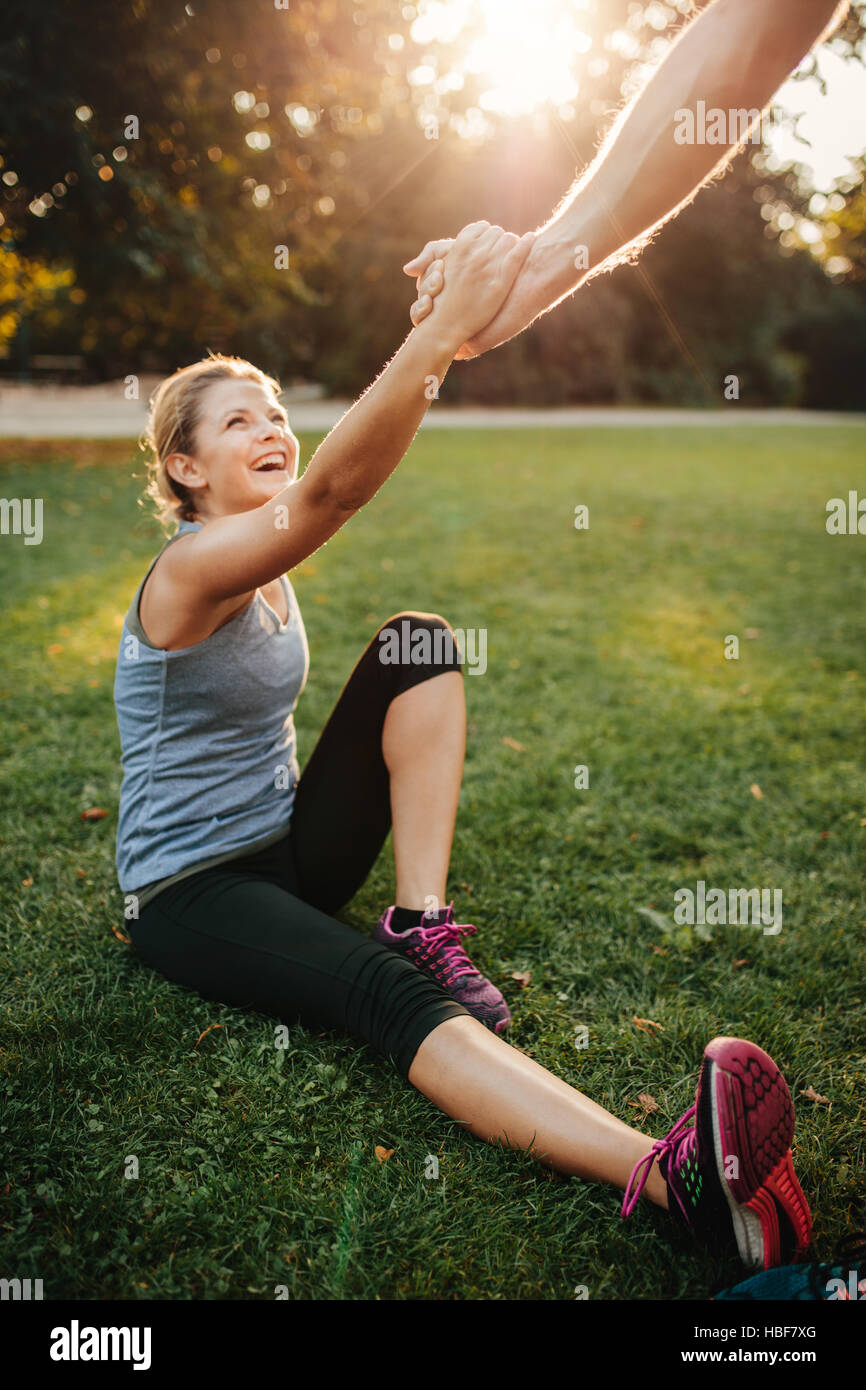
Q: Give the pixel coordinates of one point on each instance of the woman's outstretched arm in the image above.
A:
(235, 554)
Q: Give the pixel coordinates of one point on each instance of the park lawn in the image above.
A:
(605, 648)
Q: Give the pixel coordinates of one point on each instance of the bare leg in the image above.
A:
(502, 1095)
(498, 1092)
(423, 744)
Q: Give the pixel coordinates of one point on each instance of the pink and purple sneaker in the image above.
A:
(727, 1161)
(438, 951)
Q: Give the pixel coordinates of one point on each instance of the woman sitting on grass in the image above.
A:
(236, 862)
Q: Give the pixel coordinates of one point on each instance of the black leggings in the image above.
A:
(255, 932)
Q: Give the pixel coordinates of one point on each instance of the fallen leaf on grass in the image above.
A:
(741, 962)
(121, 936)
(512, 743)
(811, 1094)
(646, 1103)
(522, 977)
(646, 1025)
(658, 919)
(756, 792)
(210, 1029)
(27, 883)
(81, 873)
(94, 813)
(659, 950)
(383, 1154)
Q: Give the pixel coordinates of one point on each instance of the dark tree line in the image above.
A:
(142, 225)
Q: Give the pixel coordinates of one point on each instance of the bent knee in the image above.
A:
(418, 619)
(418, 640)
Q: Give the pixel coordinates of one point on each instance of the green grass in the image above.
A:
(605, 648)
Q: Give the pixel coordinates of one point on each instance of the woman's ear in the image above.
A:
(183, 469)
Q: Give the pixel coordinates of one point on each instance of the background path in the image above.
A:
(102, 412)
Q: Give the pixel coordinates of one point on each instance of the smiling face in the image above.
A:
(245, 451)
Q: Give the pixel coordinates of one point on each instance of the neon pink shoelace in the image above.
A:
(446, 939)
(668, 1145)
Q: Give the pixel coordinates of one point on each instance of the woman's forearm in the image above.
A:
(237, 553)
(364, 448)
(240, 551)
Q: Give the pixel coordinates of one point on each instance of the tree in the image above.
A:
(250, 179)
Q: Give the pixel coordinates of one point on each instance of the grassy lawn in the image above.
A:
(257, 1168)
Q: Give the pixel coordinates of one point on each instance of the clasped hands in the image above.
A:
(511, 258)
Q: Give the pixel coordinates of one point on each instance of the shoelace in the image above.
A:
(669, 1145)
(447, 938)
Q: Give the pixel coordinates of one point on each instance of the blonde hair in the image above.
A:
(176, 411)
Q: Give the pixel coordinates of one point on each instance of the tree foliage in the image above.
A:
(249, 178)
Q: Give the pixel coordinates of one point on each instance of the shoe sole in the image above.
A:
(753, 1123)
(778, 1226)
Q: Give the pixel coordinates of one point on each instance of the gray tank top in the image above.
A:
(207, 742)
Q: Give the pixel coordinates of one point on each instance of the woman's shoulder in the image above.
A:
(184, 528)
(134, 615)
